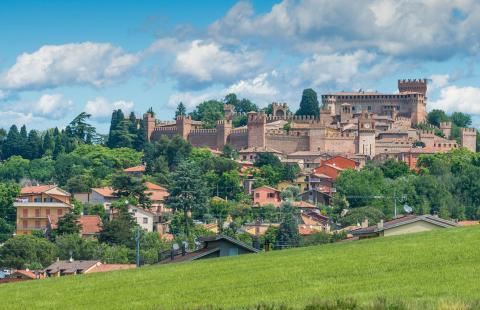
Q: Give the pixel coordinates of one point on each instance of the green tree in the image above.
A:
(8, 193)
(120, 230)
(68, 224)
(309, 104)
(358, 215)
(181, 110)
(188, 193)
(208, 112)
(25, 251)
(6, 230)
(461, 119)
(436, 116)
(128, 186)
(287, 234)
(14, 169)
(73, 245)
(81, 129)
(393, 168)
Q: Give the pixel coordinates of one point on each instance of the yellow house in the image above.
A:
(38, 206)
(298, 182)
(404, 225)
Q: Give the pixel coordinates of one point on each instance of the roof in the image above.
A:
(468, 223)
(105, 191)
(266, 187)
(26, 273)
(405, 220)
(303, 205)
(76, 266)
(39, 189)
(135, 169)
(190, 256)
(112, 267)
(259, 150)
(91, 224)
(231, 240)
(154, 187)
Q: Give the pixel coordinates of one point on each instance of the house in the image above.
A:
(315, 221)
(22, 275)
(212, 247)
(157, 194)
(37, 205)
(103, 195)
(317, 197)
(143, 217)
(404, 225)
(341, 162)
(74, 267)
(91, 225)
(252, 153)
(328, 169)
(136, 171)
(264, 195)
(320, 181)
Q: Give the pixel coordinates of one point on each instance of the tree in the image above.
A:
(48, 143)
(6, 230)
(461, 119)
(14, 169)
(393, 168)
(209, 112)
(11, 144)
(120, 230)
(267, 159)
(229, 152)
(181, 110)
(188, 193)
(119, 134)
(287, 234)
(309, 104)
(35, 144)
(358, 215)
(73, 245)
(68, 224)
(23, 252)
(8, 193)
(140, 139)
(436, 116)
(128, 186)
(82, 130)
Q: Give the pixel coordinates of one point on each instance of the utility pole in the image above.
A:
(137, 240)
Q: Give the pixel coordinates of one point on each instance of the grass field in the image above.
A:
(434, 270)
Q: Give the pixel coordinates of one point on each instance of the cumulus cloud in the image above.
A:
(421, 29)
(8, 118)
(258, 89)
(438, 81)
(101, 109)
(93, 64)
(198, 63)
(458, 99)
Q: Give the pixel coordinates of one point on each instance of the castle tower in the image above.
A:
(446, 128)
(149, 124)
(366, 135)
(413, 85)
(279, 109)
(468, 138)
(228, 111)
(256, 125)
(224, 128)
(184, 126)
(427, 137)
(345, 112)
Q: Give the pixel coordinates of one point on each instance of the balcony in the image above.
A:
(41, 204)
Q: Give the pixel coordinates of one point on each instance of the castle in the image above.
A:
(369, 124)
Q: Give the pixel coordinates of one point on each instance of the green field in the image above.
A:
(439, 269)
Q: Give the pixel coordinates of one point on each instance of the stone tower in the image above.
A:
(184, 126)
(469, 138)
(418, 102)
(224, 128)
(413, 85)
(366, 134)
(256, 125)
(229, 111)
(279, 109)
(446, 128)
(149, 124)
(345, 112)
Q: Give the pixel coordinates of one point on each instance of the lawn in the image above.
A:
(438, 269)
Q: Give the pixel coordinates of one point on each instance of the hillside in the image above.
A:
(422, 271)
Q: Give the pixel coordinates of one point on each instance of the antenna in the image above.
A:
(407, 209)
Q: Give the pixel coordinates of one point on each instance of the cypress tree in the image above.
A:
(309, 104)
(48, 144)
(11, 143)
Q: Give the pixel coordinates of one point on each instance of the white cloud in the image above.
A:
(93, 64)
(101, 109)
(53, 106)
(8, 118)
(458, 99)
(438, 81)
(416, 29)
(198, 63)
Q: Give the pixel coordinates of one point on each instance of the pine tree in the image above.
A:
(48, 143)
(309, 104)
(11, 143)
(68, 224)
(140, 139)
(181, 110)
(34, 143)
(119, 135)
(23, 148)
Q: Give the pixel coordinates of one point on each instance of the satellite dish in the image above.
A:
(407, 209)
(175, 246)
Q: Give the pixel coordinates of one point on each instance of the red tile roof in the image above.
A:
(157, 195)
(105, 191)
(135, 169)
(91, 224)
(154, 187)
(26, 273)
(468, 223)
(36, 189)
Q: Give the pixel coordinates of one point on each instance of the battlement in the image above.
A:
(413, 85)
(445, 125)
(161, 128)
(254, 117)
(165, 123)
(281, 132)
(203, 131)
(224, 121)
(339, 135)
(468, 131)
(427, 132)
(239, 131)
(183, 117)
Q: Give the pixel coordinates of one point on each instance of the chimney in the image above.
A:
(380, 225)
(365, 223)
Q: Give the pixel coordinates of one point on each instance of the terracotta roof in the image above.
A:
(154, 187)
(26, 273)
(304, 231)
(267, 187)
(112, 267)
(157, 195)
(105, 191)
(135, 169)
(302, 204)
(167, 237)
(36, 189)
(91, 224)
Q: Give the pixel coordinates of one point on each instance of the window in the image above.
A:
(25, 212)
(37, 212)
(37, 199)
(257, 195)
(47, 212)
(369, 108)
(145, 220)
(270, 195)
(25, 224)
(37, 224)
(233, 252)
(59, 212)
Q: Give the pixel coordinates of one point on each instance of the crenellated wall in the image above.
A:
(238, 138)
(287, 143)
(203, 138)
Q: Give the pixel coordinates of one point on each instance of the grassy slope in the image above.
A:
(417, 269)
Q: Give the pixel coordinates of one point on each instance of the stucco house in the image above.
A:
(264, 195)
(404, 225)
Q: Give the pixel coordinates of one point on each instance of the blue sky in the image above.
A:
(59, 58)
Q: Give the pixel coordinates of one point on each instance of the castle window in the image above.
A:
(369, 108)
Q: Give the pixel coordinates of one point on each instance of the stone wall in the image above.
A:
(203, 138)
(287, 143)
(238, 139)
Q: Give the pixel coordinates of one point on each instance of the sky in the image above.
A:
(61, 58)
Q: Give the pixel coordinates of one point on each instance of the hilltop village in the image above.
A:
(230, 179)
